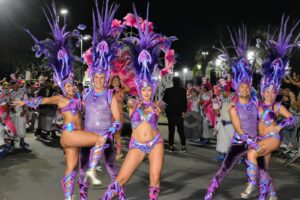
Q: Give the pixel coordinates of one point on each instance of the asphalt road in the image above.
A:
(35, 175)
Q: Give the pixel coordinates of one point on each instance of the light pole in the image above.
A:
(185, 70)
(64, 13)
(204, 54)
(84, 38)
(199, 68)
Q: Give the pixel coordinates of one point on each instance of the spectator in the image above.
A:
(176, 101)
(47, 113)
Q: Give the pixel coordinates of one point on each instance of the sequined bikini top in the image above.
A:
(137, 116)
(268, 115)
(74, 106)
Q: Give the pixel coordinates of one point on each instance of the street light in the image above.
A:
(250, 55)
(185, 70)
(64, 12)
(199, 66)
(84, 38)
(176, 74)
(218, 62)
(204, 54)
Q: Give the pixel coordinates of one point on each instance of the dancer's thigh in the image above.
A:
(268, 146)
(133, 159)
(71, 157)
(78, 139)
(156, 159)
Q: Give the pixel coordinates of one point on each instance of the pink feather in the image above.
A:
(88, 57)
(116, 23)
(170, 58)
(150, 26)
(130, 20)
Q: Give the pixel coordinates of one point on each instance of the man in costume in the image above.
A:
(243, 112)
(97, 99)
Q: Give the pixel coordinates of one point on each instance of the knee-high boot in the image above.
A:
(263, 184)
(67, 183)
(272, 191)
(95, 155)
(114, 189)
(252, 170)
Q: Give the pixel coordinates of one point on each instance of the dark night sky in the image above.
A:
(197, 23)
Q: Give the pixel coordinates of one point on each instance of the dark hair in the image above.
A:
(176, 81)
(111, 86)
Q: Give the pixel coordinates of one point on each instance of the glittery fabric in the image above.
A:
(98, 115)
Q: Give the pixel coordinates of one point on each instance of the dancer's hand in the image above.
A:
(18, 103)
(276, 129)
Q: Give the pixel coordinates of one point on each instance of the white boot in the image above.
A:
(91, 174)
(249, 191)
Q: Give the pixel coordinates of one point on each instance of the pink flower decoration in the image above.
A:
(88, 58)
(150, 25)
(130, 20)
(116, 23)
(170, 58)
(164, 71)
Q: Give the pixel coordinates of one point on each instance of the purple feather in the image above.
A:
(57, 49)
(104, 33)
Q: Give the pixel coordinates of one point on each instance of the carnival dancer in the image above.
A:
(100, 104)
(243, 112)
(121, 89)
(145, 139)
(224, 124)
(274, 68)
(57, 52)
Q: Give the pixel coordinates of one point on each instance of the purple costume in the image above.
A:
(248, 119)
(247, 113)
(56, 50)
(98, 118)
(274, 68)
(137, 117)
(146, 47)
(74, 106)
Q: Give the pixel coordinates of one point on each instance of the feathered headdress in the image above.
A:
(241, 68)
(146, 49)
(106, 34)
(57, 50)
(275, 66)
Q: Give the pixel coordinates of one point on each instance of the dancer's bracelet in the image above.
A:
(33, 102)
(288, 122)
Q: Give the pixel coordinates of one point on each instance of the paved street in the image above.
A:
(36, 174)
